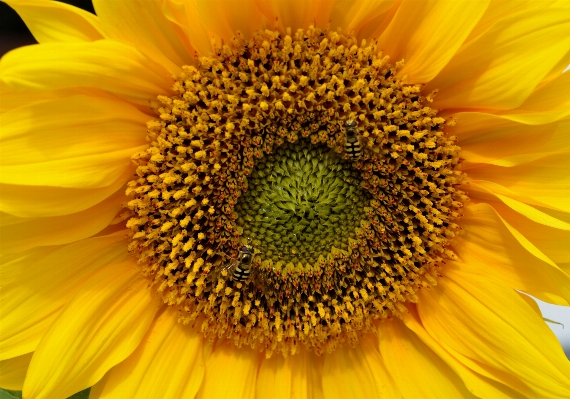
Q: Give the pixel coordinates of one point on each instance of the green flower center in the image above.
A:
(302, 200)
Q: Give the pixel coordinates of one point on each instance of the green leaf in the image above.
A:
(7, 394)
(81, 395)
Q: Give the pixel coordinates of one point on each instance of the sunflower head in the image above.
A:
(299, 192)
(259, 144)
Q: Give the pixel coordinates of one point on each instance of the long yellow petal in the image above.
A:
(274, 379)
(427, 34)
(480, 386)
(40, 288)
(500, 9)
(530, 302)
(488, 243)
(417, 370)
(565, 267)
(168, 364)
(239, 368)
(526, 45)
(543, 182)
(143, 24)
(296, 14)
(496, 331)
(498, 140)
(185, 15)
(53, 21)
(298, 376)
(76, 142)
(13, 372)
(307, 376)
(97, 389)
(550, 102)
(549, 234)
(19, 234)
(361, 16)
(534, 214)
(221, 19)
(114, 67)
(357, 372)
(100, 327)
(45, 201)
(10, 98)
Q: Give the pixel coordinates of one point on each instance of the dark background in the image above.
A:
(13, 31)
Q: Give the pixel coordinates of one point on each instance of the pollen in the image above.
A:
(248, 159)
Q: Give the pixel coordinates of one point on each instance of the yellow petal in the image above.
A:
(44, 201)
(296, 14)
(500, 9)
(185, 15)
(533, 214)
(53, 21)
(550, 102)
(143, 24)
(427, 34)
(11, 264)
(77, 142)
(480, 386)
(117, 68)
(19, 234)
(13, 372)
(230, 372)
(488, 243)
(97, 389)
(525, 46)
(100, 327)
(417, 370)
(531, 303)
(14, 99)
(307, 377)
(298, 376)
(357, 372)
(216, 22)
(167, 364)
(547, 233)
(550, 235)
(274, 378)
(361, 16)
(543, 182)
(40, 288)
(494, 331)
(498, 140)
(221, 19)
(565, 267)
(563, 216)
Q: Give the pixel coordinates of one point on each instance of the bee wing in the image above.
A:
(230, 266)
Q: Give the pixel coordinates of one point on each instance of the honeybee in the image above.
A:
(241, 267)
(352, 146)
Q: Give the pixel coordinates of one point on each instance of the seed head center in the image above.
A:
(302, 201)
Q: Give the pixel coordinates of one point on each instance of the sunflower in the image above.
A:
(274, 199)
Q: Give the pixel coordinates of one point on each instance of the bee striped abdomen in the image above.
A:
(352, 148)
(240, 274)
(352, 144)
